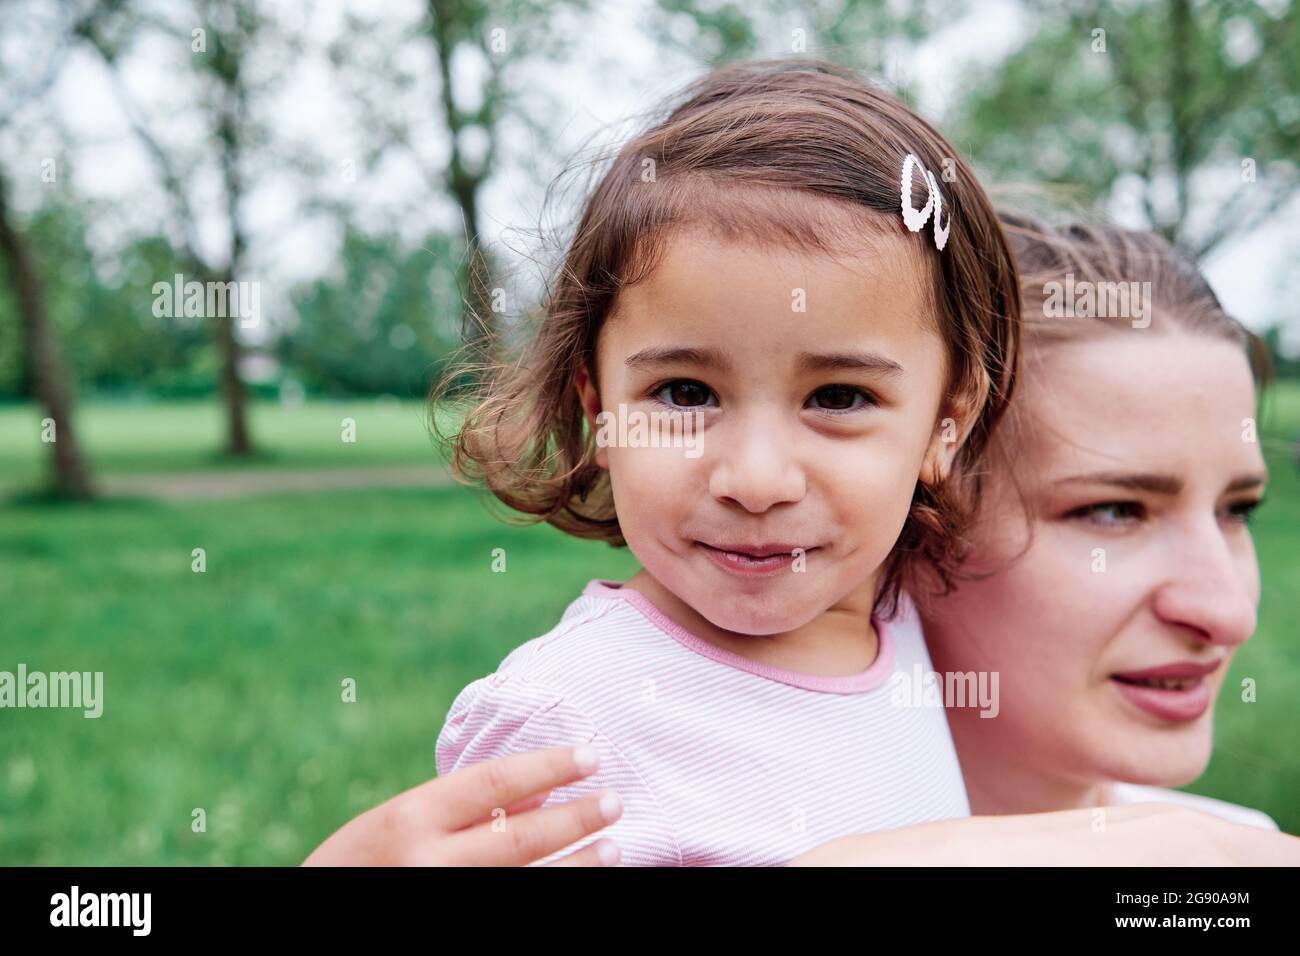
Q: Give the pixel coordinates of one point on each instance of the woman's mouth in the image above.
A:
(755, 559)
(1175, 692)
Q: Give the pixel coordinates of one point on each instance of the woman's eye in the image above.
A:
(1242, 511)
(839, 398)
(1110, 514)
(685, 393)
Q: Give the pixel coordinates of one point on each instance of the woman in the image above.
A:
(1110, 578)
(1111, 574)
(1113, 571)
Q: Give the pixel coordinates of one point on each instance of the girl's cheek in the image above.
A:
(647, 475)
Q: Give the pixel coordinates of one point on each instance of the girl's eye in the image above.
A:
(684, 393)
(840, 398)
(1242, 511)
(1110, 514)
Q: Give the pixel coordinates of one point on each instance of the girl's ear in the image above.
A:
(590, 400)
(953, 426)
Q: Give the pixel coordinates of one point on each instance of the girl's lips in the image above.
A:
(767, 559)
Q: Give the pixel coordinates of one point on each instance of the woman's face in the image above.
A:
(1127, 576)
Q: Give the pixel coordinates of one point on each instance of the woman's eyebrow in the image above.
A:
(1153, 483)
(1245, 482)
(1133, 481)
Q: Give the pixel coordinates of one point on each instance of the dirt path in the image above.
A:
(239, 484)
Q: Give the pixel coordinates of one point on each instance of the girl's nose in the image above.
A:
(1214, 588)
(758, 470)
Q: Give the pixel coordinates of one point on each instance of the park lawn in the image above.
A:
(223, 689)
(126, 438)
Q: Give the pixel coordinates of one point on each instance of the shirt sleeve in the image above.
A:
(506, 714)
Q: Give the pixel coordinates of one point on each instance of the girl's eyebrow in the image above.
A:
(681, 356)
(1155, 484)
(808, 361)
(852, 361)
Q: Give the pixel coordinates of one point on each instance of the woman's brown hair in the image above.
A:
(793, 152)
(1098, 254)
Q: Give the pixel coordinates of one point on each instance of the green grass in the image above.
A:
(184, 436)
(223, 689)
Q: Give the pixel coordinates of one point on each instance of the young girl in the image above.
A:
(786, 324)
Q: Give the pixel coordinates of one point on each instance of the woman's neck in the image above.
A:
(1001, 783)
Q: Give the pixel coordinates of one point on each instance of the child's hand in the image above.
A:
(1147, 834)
(487, 814)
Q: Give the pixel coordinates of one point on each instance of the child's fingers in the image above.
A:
(470, 794)
(600, 853)
(531, 803)
(519, 840)
(523, 806)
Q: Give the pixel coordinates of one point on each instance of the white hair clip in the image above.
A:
(914, 218)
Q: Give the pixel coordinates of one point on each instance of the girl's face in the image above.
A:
(1113, 631)
(818, 386)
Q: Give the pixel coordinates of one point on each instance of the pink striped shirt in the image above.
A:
(719, 760)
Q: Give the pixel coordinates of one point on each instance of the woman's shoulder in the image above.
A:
(1125, 793)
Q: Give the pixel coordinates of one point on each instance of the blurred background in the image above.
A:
(242, 509)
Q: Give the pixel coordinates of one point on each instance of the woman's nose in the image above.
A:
(757, 468)
(1214, 588)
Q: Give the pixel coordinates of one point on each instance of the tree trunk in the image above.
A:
(479, 325)
(238, 442)
(478, 322)
(233, 395)
(70, 476)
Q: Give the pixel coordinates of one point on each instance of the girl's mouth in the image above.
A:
(755, 560)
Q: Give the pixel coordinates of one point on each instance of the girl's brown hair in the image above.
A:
(793, 152)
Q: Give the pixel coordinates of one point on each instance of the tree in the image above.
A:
(371, 329)
(46, 369)
(220, 49)
(872, 36)
(448, 121)
(1191, 107)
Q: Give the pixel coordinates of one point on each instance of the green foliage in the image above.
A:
(383, 326)
(1169, 95)
(102, 312)
(1284, 365)
(853, 33)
